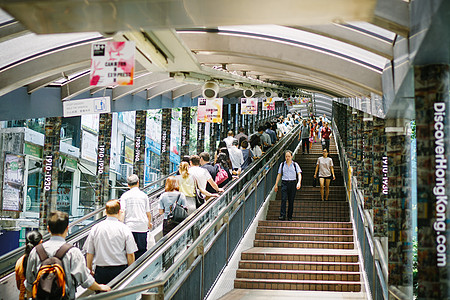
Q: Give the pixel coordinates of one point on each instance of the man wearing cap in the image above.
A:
(137, 215)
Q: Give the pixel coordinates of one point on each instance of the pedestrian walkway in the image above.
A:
(313, 256)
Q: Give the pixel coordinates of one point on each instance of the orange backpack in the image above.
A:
(50, 281)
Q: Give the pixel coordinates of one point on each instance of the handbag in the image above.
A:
(221, 176)
(199, 197)
(314, 182)
(177, 212)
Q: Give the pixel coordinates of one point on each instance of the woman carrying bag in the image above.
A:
(326, 173)
(167, 201)
(186, 183)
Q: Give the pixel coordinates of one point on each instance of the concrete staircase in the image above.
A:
(315, 251)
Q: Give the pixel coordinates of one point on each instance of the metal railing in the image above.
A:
(190, 258)
(375, 263)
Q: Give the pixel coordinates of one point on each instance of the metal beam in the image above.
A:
(140, 83)
(184, 90)
(163, 88)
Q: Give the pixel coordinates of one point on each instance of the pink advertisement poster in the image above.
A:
(268, 104)
(249, 106)
(209, 110)
(112, 63)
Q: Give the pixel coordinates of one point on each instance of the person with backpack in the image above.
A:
(290, 174)
(56, 257)
(110, 245)
(167, 200)
(32, 239)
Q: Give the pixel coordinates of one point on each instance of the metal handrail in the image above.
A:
(125, 291)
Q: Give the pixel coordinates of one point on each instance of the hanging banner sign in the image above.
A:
(72, 108)
(209, 110)
(112, 63)
(249, 106)
(13, 182)
(268, 104)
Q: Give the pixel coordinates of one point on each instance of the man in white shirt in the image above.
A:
(202, 175)
(236, 157)
(229, 139)
(137, 214)
(110, 245)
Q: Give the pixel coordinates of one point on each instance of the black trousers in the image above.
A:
(141, 241)
(288, 189)
(305, 143)
(103, 275)
(326, 144)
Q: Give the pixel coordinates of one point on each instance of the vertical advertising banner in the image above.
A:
(112, 63)
(13, 170)
(209, 110)
(268, 104)
(249, 106)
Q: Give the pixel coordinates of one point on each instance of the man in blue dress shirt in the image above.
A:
(290, 174)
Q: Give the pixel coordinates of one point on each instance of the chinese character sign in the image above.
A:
(112, 63)
(268, 104)
(209, 110)
(249, 106)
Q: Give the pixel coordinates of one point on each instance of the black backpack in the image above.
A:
(50, 281)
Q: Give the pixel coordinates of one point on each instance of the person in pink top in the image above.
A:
(326, 133)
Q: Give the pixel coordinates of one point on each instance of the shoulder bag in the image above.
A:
(221, 175)
(177, 212)
(199, 197)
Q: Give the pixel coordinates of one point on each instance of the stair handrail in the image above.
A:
(160, 281)
(377, 250)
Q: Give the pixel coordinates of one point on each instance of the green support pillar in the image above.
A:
(185, 130)
(49, 191)
(359, 147)
(398, 148)
(233, 118)
(166, 123)
(433, 130)
(139, 145)
(368, 161)
(225, 127)
(103, 159)
(200, 138)
(380, 178)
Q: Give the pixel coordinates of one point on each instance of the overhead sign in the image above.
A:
(112, 63)
(209, 110)
(249, 106)
(88, 106)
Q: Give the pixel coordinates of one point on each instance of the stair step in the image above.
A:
(298, 275)
(304, 230)
(305, 285)
(304, 224)
(314, 218)
(303, 237)
(304, 244)
(299, 265)
(299, 254)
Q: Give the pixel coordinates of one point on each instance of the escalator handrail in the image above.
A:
(124, 290)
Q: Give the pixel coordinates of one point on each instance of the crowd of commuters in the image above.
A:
(314, 130)
(119, 240)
